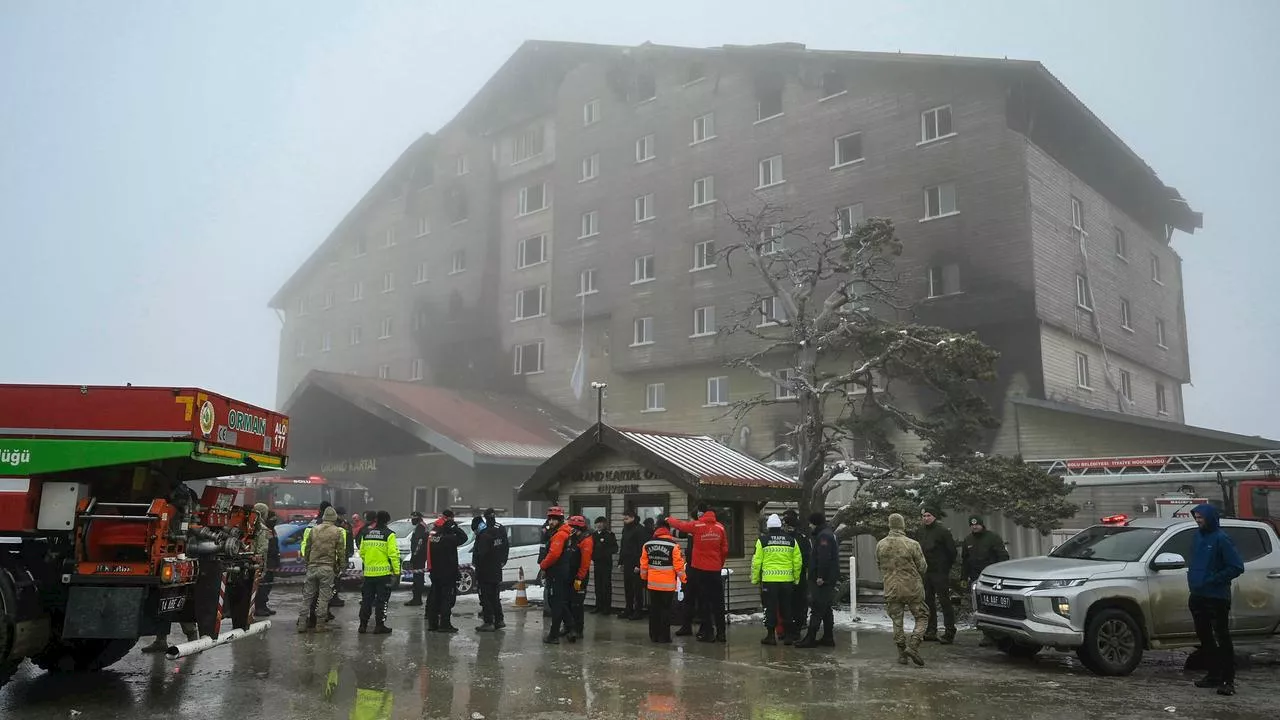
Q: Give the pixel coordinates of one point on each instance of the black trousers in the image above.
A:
(777, 604)
(440, 600)
(577, 609)
(660, 615)
(1212, 617)
(937, 591)
(558, 598)
(490, 605)
(419, 583)
(633, 589)
(264, 589)
(692, 609)
(374, 594)
(800, 603)
(822, 613)
(604, 587)
(709, 590)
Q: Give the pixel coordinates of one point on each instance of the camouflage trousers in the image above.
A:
(316, 591)
(896, 609)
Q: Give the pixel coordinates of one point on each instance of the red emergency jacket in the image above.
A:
(710, 541)
(586, 546)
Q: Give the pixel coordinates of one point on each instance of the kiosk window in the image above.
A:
(589, 506)
(648, 506)
(730, 516)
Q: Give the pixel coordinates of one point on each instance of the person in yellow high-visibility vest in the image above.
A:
(381, 560)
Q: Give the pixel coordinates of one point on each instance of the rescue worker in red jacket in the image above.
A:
(710, 548)
(559, 565)
(585, 545)
(661, 566)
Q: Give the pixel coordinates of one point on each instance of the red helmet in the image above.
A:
(555, 511)
(577, 521)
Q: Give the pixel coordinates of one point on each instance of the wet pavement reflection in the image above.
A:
(614, 673)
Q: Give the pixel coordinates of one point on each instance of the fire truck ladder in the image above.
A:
(1248, 461)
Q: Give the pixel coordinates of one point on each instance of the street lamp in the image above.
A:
(599, 388)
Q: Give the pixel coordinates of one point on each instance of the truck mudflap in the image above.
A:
(24, 625)
(104, 613)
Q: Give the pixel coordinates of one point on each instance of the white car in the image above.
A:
(525, 535)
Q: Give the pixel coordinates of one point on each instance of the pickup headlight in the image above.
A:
(1059, 584)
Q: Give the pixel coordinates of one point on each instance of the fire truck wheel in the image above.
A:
(6, 671)
(81, 655)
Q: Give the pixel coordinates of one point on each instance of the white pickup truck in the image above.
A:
(1112, 591)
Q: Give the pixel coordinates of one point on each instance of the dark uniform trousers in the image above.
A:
(708, 587)
(374, 594)
(777, 604)
(440, 600)
(604, 586)
(660, 615)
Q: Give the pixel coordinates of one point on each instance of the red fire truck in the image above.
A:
(295, 498)
(101, 539)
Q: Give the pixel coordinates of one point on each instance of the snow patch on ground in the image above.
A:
(869, 617)
(532, 592)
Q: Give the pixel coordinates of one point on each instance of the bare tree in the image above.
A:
(835, 339)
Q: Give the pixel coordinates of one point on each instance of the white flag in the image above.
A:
(579, 377)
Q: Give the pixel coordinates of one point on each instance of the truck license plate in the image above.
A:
(995, 601)
(173, 603)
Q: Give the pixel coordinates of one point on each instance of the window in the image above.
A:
(302, 306)
(704, 191)
(1084, 299)
(1077, 219)
(522, 535)
(1082, 371)
(644, 269)
(415, 369)
(357, 291)
(532, 199)
(424, 226)
(833, 83)
(848, 219)
(1122, 245)
(459, 262)
(1155, 269)
(848, 149)
(1126, 385)
(326, 342)
(644, 149)
(704, 255)
(591, 112)
(384, 372)
(419, 320)
(646, 87)
(389, 237)
(423, 274)
(328, 299)
(590, 224)
(697, 71)
(944, 280)
(1160, 338)
(461, 165)
(642, 331)
(459, 206)
(388, 282)
(770, 171)
(935, 124)
(704, 128)
(940, 201)
(704, 321)
(1126, 319)
(644, 208)
(529, 302)
(1251, 543)
(301, 350)
(771, 311)
(587, 282)
(526, 145)
(357, 334)
(655, 397)
(590, 167)
(770, 240)
(362, 247)
(718, 391)
(768, 104)
(528, 358)
(531, 251)
(1162, 404)
(386, 328)
(784, 387)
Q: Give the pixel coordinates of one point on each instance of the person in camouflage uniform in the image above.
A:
(325, 556)
(903, 566)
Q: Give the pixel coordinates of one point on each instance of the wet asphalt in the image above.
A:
(614, 673)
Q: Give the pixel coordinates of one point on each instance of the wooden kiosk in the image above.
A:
(607, 470)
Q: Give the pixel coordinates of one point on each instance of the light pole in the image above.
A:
(599, 388)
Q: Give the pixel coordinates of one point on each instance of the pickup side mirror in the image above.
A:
(1168, 561)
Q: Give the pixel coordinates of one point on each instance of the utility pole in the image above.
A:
(599, 387)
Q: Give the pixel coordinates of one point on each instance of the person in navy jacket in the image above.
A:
(1213, 564)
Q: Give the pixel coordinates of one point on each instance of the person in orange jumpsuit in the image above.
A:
(661, 566)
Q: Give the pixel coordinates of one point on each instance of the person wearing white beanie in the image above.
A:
(775, 566)
(773, 522)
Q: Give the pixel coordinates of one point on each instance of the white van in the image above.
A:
(525, 535)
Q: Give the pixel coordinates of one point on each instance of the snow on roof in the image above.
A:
(708, 460)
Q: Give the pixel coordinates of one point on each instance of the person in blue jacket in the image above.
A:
(1214, 563)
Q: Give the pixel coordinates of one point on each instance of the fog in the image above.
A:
(164, 167)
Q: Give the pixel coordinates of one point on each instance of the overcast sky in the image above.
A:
(165, 166)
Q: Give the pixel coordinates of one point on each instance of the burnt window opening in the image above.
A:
(833, 83)
(646, 86)
(459, 205)
(697, 71)
(455, 306)
(768, 103)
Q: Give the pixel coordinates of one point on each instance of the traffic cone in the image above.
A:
(522, 599)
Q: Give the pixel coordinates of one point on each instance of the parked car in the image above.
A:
(525, 535)
(1114, 590)
(290, 537)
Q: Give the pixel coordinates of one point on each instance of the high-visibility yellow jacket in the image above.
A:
(777, 558)
(379, 553)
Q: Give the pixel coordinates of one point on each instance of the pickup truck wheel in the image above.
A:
(1016, 649)
(1112, 643)
(466, 581)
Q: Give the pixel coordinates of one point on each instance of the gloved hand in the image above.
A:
(578, 585)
